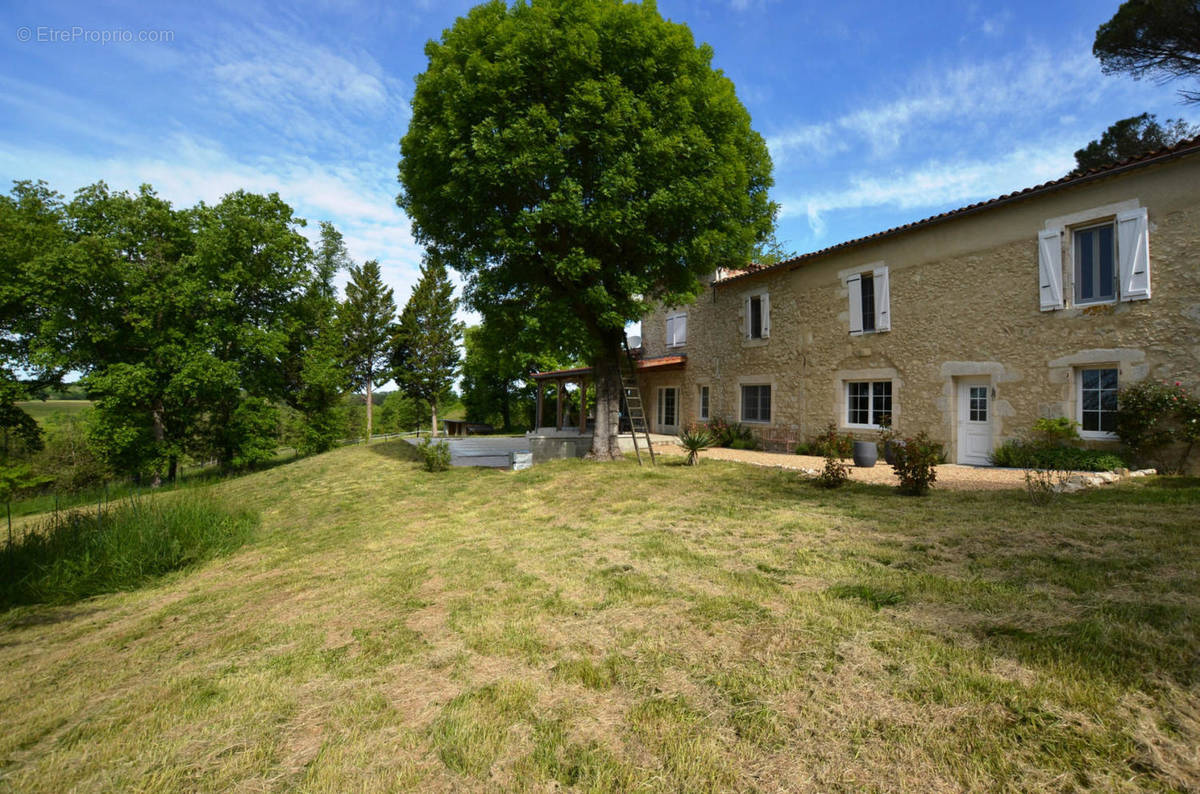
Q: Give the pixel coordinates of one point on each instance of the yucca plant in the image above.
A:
(695, 440)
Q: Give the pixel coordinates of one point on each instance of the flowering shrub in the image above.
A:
(1152, 416)
(831, 442)
(916, 463)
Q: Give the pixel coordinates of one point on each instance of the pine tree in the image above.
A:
(425, 348)
(367, 319)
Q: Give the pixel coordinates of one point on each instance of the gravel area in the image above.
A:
(950, 476)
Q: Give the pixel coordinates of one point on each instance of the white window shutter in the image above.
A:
(681, 329)
(1133, 251)
(1050, 269)
(746, 319)
(670, 331)
(883, 313)
(854, 285)
(765, 303)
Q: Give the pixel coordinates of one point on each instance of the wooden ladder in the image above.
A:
(632, 395)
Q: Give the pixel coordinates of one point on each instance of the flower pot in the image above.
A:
(865, 454)
(889, 451)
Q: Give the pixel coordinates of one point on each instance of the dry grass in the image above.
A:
(610, 628)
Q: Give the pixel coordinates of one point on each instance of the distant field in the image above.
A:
(41, 409)
(604, 627)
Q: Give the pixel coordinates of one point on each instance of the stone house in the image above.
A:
(969, 325)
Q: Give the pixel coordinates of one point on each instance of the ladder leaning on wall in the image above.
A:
(631, 393)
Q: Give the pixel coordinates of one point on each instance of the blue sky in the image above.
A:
(876, 113)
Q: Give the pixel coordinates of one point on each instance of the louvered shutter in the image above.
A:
(854, 285)
(681, 329)
(670, 332)
(883, 313)
(1133, 250)
(746, 320)
(1050, 269)
(765, 306)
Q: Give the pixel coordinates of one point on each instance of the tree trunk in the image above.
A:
(172, 468)
(160, 432)
(605, 440)
(505, 418)
(433, 421)
(370, 405)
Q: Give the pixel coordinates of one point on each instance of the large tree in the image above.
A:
(576, 161)
(425, 348)
(367, 318)
(1159, 38)
(1131, 137)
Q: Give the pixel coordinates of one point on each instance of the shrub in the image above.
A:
(695, 439)
(835, 473)
(1151, 416)
(719, 430)
(916, 463)
(1042, 485)
(1018, 454)
(833, 443)
(75, 555)
(803, 448)
(744, 443)
(435, 455)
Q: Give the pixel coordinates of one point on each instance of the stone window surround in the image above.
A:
(743, 324)
(1067, 225)
(1130, 364)
(756, 380)
(843, 376)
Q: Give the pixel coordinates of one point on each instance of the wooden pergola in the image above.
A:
(560, 378)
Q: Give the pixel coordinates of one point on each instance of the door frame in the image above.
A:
(962, 391)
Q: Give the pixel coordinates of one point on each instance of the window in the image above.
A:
(667, 405)
(1098, 402)
(756, 403)
(868, 403)
(704, 403)
(677, 330)
(758, 316)
(869, 301)
(977, 404)
(1095, 265)
(1109, 261)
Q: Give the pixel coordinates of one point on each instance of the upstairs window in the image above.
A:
(758, 316)
(677, 330)
(869, 302)
(1095, 264)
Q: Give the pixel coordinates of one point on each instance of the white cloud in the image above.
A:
(936, 183)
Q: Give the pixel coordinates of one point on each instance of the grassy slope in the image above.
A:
(716, 628)
(40, 409)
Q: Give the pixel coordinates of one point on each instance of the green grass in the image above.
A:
(41, 409)
(612, 628)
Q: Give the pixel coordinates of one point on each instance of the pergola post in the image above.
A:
(582, 405)
(541, 389)
(558, 394)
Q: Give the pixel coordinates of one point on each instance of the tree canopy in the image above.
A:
(367, 319)
(577, 160)
(1158, 38)
(1131, 137)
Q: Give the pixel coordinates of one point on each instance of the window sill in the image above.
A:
(1087, 304)
(1096, 435)
(860, 427)
(756, 421)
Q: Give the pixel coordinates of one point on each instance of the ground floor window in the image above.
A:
(704, 403)
(667, 407)
(868, 403)
(1098, 401)
(756, 403)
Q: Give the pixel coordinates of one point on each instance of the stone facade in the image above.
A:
(965, 309)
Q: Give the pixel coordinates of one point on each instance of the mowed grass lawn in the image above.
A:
(613, 628)
(43, 409)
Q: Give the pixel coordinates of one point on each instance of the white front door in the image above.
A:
(975, 422)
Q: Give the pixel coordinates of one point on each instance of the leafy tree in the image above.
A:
(1131, 137)
(366, 317)
(1160, 38)
(576, 161)
(400, 413)
(496, 366)
(425, 348)
(771, 252)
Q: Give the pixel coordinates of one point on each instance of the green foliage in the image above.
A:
(1059, 430)
(400, 413)
(916, 461)
(1159, 38)
(733, 436)
(366, 319)
(499, 357)
(424, 349)
(831, 442)
(1131, 137)
(834, 474)
(695, 440)
(1152, 416)
(435, 455)
(72, 556)
(1033, 454)
(69, 460)
(577, 160)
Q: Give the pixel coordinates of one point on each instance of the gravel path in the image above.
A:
(950, 476)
